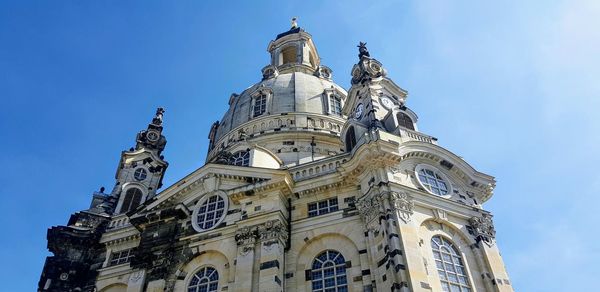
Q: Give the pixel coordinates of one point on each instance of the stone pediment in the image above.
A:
(236, 181)
(483, 184)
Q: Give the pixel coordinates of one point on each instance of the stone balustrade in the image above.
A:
(319, 167)
(305, 122)
(407, 134)
(118, 221)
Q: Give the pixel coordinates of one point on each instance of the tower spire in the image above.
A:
(152, 137)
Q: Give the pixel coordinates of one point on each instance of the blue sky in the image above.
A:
(510, 86)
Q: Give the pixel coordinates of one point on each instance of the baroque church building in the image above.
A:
(306, 187)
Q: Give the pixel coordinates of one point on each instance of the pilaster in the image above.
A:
(244, 268)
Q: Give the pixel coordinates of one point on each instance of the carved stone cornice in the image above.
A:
(483, 228)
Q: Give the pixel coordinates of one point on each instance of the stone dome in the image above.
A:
(294, 92)
(295, 108)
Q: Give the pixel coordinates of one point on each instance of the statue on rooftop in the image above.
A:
(158, 119)
(362, 50)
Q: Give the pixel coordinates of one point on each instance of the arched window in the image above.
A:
(132, 199)
(260, 105)
(289, 55)
(241, 158)
(335, 105)
(205, 280)
(405, 121)
(210, 211)
(450, 265)
(350, 139)
(328, 272)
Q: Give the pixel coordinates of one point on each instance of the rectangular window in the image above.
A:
(260, 105)
(322, 207)
(120, 257)
(335, 105)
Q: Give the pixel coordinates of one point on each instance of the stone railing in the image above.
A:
(407, 134)
(319, 167)
(119, 221)
(306, 122)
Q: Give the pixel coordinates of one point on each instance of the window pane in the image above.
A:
(451, 272)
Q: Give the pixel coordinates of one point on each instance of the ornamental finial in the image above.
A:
(362, 50)
(158, 118)
(294, 22)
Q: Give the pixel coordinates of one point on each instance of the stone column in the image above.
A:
(246, 241)
(273, 237)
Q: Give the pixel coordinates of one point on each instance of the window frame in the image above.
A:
(233, 159)
(321, 272)
(262, 96)
(142, 171)
(120, 260)
(350, 139)
(404, 121)
(319, 210)
(197, 285)
(427, 185)
(335, 104)
(446, 248)
(198, 206)
(131, 207)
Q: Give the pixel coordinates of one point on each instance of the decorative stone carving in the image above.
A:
(245, 238)
(369, 208)
(362, 50)
(323, 72)
(152, 137)
(158, 118)
(483, 228)
(273, 229)
(367, 69)
(269, 72)
(440, 215)
(403, 204)
(136, 277)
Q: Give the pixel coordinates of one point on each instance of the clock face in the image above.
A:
(152, 136)
(140, 174)
(387, 103)
(359, 111)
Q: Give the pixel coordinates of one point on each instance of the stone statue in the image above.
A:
(362, 50)
(158, 119)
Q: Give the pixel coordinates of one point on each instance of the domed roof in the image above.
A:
(293, 115)
(287, 93)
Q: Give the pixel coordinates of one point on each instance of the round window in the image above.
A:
(140, 174)
(433, 180)
(209, 212)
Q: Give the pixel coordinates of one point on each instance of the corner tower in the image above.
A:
(77, 248)
(141, 169)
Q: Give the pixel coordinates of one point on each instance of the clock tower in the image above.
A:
(374, 101)
(141, 169)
